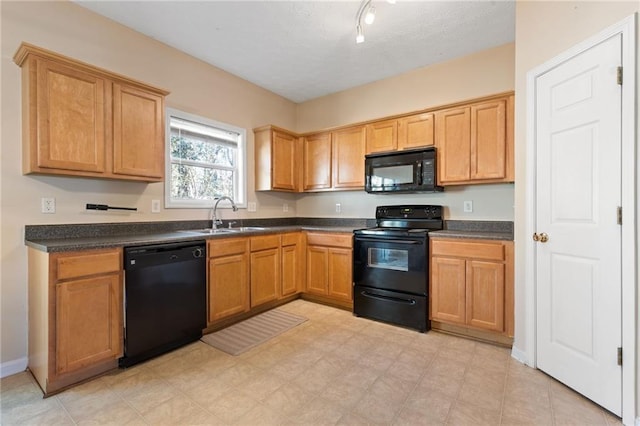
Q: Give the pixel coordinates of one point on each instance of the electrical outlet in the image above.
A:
(48, 205)
(338, 207)
(285, 207)
(468, 207)
(155, 206)
(251, 206)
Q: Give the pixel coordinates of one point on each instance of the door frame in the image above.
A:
(630, 164)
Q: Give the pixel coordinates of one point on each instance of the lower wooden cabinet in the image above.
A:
(330, 266)
(265, 269)
(75, 315)
(292, 261)
(472, 284)
(228, 277)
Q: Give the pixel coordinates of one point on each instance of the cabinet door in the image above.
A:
(340, 273)
(485, 295)
(88, 322)
(291, 269)
(228, 286)
(448, 289)
(70, 111)
(415, 131)
(348, 157)
(488, 140)
(453, 139)
(317, 270)
(138, 133)
(382, 136)
(265, 276)
(317, 162)
(284, 161)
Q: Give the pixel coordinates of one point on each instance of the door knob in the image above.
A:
(543, 237)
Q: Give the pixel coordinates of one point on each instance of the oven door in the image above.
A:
(391, 263)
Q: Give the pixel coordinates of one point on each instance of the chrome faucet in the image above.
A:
(214, 211)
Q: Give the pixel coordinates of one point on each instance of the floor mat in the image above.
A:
(250, 333)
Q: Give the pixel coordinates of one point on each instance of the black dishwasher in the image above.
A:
(165, 298)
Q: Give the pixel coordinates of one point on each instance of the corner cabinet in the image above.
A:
(329, 268)
(475, 142)
(472, 284)
(276, 154)
(75, 315)
(79, 120)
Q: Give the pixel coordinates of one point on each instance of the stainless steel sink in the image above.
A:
(246, 228)
(225, 230)
(208, 231)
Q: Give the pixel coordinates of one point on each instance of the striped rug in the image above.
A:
(252, 332)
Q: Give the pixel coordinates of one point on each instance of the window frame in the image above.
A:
(240, 178)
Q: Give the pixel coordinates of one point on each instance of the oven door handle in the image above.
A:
(388, 298)
(389, 241)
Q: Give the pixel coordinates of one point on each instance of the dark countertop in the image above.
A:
(58, 238)
(491, 235)
(110, 241)
(476, 229)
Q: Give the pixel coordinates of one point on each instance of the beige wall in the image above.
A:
(544, 29)
(195, 87)
(480, 74)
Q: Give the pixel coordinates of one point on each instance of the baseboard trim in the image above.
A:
(10, 368)
(519, 355)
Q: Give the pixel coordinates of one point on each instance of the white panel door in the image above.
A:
(578, 191)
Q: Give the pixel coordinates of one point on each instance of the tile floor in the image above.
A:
(332, 369)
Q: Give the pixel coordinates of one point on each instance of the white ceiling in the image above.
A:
(306, 49)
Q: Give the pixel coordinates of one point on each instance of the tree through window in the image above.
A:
(206, 161)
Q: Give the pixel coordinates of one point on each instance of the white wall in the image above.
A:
(195, 87)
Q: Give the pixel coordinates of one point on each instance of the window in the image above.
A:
(205, 160)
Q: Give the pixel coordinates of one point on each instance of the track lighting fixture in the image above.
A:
(369, 12)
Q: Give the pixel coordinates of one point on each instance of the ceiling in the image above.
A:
(306, 49)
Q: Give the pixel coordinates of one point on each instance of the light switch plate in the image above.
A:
(155, 206)
(251, 206)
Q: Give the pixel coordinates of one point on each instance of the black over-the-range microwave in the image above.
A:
(401, 171)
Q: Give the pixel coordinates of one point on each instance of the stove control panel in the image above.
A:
(409, 212)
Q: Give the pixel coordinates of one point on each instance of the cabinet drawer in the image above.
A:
(290, 239)
(225, 247)
(475, 250)
(74, 265)
(331, 240)
(265, 242)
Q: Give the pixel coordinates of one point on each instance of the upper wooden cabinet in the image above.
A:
(276, 152)
(348, 147)
(316, 163)
(413, 131)
(382, 136)
(475, 142)
(334, 161)
(79, 120)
